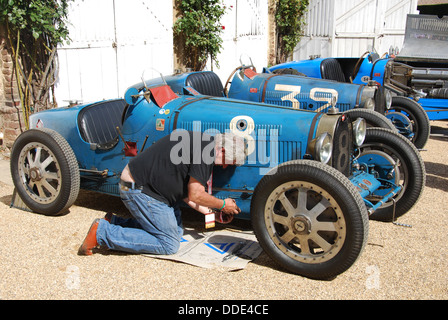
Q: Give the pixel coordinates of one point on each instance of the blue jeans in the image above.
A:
(155, 228)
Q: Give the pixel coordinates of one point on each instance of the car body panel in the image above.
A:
(286, 90)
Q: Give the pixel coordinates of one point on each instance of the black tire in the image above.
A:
(300, 242)
(410, 171)
(45, 171)
(373, 118)
(418, 117)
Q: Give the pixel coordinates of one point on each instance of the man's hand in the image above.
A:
(198, 196)
(227, 214)
(231, 207)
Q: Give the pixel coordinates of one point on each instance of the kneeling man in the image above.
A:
(176, 168)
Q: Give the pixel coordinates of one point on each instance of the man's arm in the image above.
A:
(197, 195)
(195, 206)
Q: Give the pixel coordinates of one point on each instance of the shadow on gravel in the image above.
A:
(6, 200)
(439, 133)
(437, 176)
(101, 202)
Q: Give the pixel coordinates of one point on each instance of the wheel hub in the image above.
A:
(301, 225)
(35, 174)
(305, 222)
(39, 173)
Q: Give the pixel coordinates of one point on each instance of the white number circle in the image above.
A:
(244, 126)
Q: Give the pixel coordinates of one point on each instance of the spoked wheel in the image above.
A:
(310, 219)
(396, 161)
(45, 171)
(410, 116)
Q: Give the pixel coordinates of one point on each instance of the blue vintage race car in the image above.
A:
(406, 114)
(287, 88)
(309, 183)
(294, 91)
(419, 73)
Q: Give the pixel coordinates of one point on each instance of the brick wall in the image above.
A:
(272, 50)
(10, 108)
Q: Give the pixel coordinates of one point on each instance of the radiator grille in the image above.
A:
(269, 148)
(343, 146)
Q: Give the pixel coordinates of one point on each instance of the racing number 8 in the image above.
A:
(244, 126)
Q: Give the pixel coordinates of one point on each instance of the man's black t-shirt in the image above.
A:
(165, 168)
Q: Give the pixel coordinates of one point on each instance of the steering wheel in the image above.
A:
(241, 67)
(357, 66)
(226, 91)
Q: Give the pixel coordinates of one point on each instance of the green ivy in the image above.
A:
(44, 18)
(289, 18)
(199, 29)
(35, 28)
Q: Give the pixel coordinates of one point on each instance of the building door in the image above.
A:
(245, 34)
(348, 28)
(113, 43)
(362, 25)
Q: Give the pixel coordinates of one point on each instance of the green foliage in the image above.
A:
(40, 18)
(199, 30)
(35, 28)
(289, 17)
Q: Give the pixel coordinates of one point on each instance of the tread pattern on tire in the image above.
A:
(372, 117)
(420, 180)
(358, 202)
(421, 116)
(72, 184)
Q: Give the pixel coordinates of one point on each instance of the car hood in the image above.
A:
(426, 39)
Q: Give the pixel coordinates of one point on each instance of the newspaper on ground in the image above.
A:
(219, 248)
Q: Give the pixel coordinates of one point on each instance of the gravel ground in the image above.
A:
(38, 256)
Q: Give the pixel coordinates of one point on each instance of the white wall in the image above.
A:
(245, 33)
(113, 42)
(348, 28)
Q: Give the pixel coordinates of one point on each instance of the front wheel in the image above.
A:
(410, 118)
(310, 219)
(373, 118)
(396, 161)
(45, 171)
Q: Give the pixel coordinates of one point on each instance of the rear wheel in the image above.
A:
(310, 219)
(408, 115)
(45, 171)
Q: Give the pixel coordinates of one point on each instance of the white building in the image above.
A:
(348, 28)
(114, 41)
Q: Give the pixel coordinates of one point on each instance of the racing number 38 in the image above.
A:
(330, 96)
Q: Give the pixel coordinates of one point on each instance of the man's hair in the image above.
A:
(234, 146)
